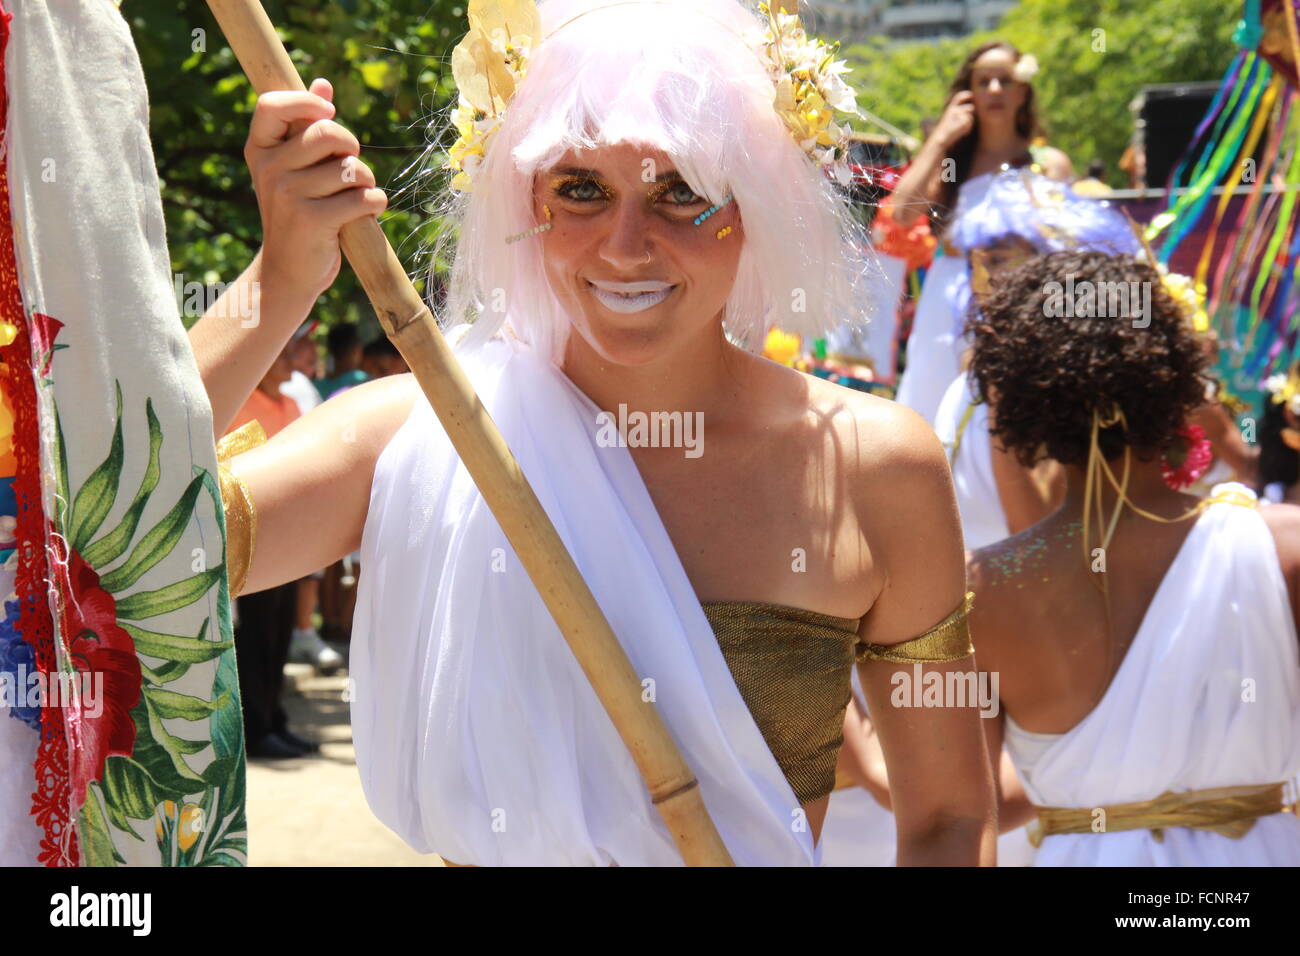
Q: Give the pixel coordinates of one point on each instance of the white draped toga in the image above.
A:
(970, 452)
(477, 735)
(1208, 695)
(934, 348)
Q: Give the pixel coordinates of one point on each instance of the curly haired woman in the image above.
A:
(1145, 640)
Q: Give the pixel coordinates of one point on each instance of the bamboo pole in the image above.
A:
(411, 327)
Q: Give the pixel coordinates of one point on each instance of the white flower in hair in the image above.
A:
(1026, 68)
(809, 90)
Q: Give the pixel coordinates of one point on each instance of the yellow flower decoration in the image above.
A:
(488, 65)
(1187, 294)
(809, 89)
(1285, 389)
(781, 347)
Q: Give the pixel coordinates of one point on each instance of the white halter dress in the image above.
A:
(1208, 695)
(970, 453)
(934, 347)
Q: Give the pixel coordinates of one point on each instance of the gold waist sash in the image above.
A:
(1231, 811)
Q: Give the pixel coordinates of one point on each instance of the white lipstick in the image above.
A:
(630, 297)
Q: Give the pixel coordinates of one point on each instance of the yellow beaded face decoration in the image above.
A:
(536, 230)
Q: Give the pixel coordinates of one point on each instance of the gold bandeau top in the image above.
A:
(793, 669)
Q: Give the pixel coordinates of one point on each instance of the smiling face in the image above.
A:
(638, 278)
(998, 96)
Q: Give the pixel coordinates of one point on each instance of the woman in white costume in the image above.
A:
(629, 192)
(1145, 639)
(987, 126)
(1019, 215)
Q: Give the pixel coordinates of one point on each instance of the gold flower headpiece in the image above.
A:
(1285, 389)
(1189, 296)
(488, 65)
(492, 59)
(809, 90)
(1186, 293)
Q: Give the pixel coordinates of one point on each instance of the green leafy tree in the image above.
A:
(1095, 56)
(389, 62)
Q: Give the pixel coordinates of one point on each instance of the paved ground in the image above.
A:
(311, 811)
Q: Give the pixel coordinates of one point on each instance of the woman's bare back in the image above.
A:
(1040, 618)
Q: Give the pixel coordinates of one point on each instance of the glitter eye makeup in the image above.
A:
(666, 192)
(579, 189)
(669, 187)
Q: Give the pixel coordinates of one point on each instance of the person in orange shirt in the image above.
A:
(266, 618)
(272, 409)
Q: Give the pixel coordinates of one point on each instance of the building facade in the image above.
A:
(852, 21)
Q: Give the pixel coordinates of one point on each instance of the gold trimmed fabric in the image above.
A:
(1230, 811)
(793, 668)
(949, 640)
(237, 503)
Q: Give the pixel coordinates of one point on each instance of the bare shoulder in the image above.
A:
(901, 492)
(391, 387)
(346, 434)
(891, 439)
(1007, 565)
(320, 464)
(884, 453)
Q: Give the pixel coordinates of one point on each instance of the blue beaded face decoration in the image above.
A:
(700, 219)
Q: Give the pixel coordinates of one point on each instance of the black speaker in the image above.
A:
(1168, 115)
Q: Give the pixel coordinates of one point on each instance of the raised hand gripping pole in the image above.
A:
(410, 326)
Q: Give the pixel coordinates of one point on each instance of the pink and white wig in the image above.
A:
(683, 77)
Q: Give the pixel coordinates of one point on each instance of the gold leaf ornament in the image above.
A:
(488, 65)
(809, 89)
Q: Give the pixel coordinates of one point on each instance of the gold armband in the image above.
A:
(237, 503)
(949, 640)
